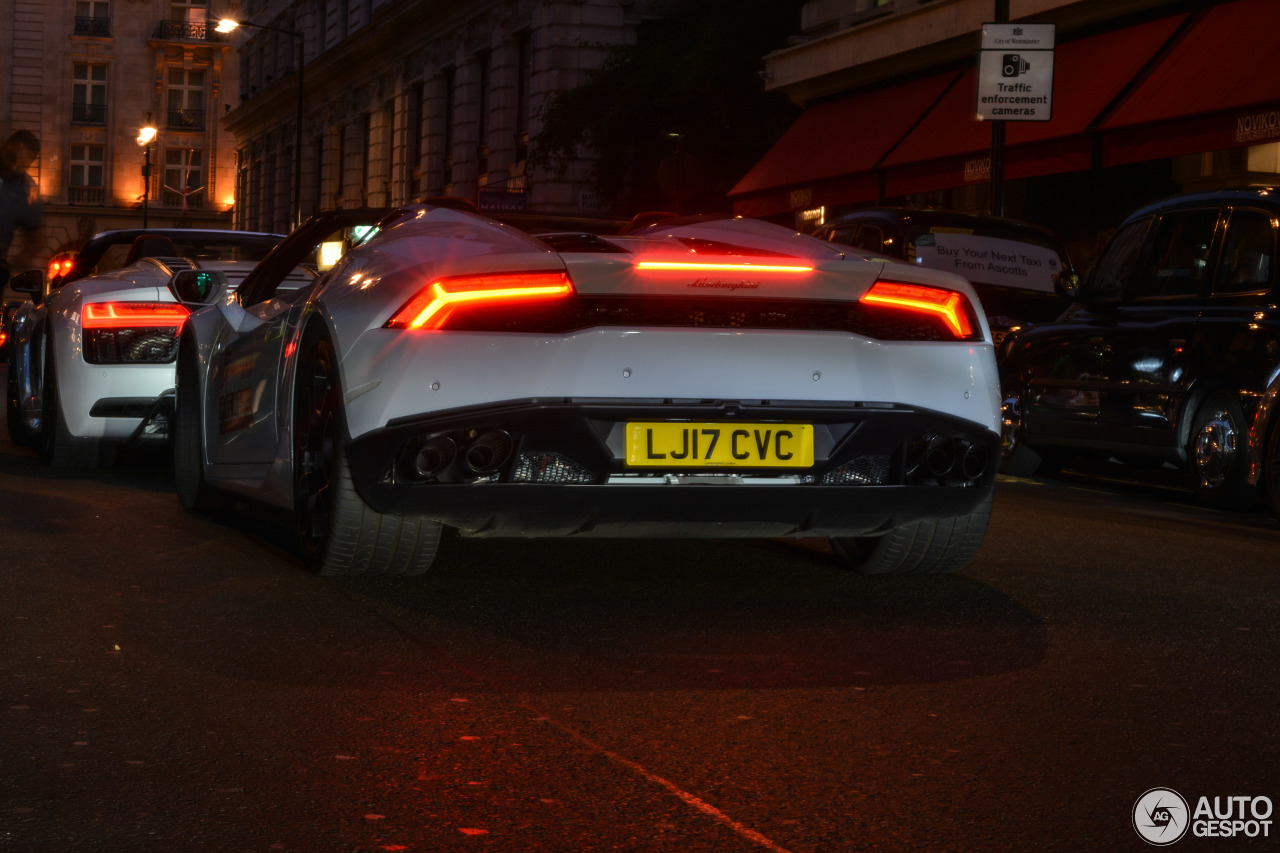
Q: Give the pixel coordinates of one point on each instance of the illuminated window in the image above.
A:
(186, 98)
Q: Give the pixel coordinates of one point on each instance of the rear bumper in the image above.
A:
(565, 473)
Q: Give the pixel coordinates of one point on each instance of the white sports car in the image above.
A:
(723, 378)
(92, 355)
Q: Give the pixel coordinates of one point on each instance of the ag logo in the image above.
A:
(1161, 816)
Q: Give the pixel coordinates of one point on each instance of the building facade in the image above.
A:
(1149, 97)
(405, 99)
(85, 76)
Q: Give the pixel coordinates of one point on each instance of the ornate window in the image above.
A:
(88, 93)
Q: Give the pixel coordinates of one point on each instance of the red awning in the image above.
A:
(829, 155)
(1216, 88)
(950, 147)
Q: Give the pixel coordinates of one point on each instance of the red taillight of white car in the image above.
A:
(132, 315)
(131, 332)
(760, 265)
(949, 306)
(446, 302)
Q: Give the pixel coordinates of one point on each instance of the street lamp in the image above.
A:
(226, 25)
(146, 136)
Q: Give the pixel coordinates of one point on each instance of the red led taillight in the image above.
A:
(132, 315)
(948, 305)
(60, 267)
(440, 300)
(762, 265)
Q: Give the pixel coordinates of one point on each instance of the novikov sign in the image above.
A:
(1015, 72)
(1258, 127)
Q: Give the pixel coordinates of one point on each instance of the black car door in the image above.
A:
(1235, 341)
(1145, 353)
(1062, 360)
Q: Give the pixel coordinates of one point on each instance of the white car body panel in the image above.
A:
(435, 372)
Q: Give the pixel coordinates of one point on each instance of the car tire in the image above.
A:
(194, 492)
(58, 448)
(1218, 455)
(339, 534)
(18, 432)
(928, 546)
(1271, 468)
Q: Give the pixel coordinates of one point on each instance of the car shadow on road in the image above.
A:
(714, 614)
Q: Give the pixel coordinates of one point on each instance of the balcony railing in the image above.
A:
(186, 120)
(86, 195)
(89, 113)
(187, 31)
(92, 26)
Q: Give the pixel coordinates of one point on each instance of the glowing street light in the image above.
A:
(146, 136)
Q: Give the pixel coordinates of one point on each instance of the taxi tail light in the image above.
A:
(132, 315)
(443, 302)
(949, 306)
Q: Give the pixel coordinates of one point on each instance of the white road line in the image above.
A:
(689, 799)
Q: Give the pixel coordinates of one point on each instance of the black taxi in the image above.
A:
(1170, 352)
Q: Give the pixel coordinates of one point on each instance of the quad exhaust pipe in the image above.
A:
(446, 457)
(941, 458)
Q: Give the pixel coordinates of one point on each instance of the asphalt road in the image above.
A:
(173, 682)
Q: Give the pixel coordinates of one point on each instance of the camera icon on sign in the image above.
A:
(1014, 65)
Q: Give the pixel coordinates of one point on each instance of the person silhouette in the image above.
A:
(17, 211)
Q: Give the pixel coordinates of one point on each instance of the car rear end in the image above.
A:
(116, 347)
(721, 379)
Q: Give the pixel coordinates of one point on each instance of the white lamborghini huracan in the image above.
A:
(705, 377)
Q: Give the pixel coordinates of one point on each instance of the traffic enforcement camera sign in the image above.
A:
(1015, 72)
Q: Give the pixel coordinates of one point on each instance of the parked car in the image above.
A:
(1171, 352)
(720, 378)
(92, 353)
(1014, 266)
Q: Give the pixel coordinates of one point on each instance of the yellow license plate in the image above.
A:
(727, 445)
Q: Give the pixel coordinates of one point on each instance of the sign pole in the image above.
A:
(996, 176)
(996, 171)
(1015, 83)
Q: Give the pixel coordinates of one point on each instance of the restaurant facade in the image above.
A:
(1149, 97)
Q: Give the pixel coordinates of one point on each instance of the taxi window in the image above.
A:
(870, 237)
(1247, 256)
(1178, 261)
(1118, 262)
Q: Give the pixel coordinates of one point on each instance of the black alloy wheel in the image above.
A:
(193, 490)
(1219, 454)
(1270, 481)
